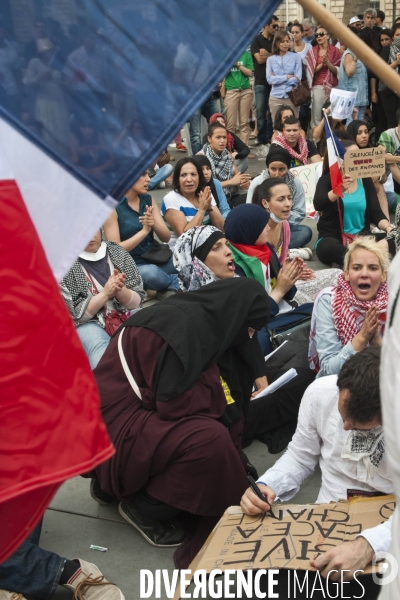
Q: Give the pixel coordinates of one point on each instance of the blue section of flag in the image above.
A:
(103, 86)
(340, 150)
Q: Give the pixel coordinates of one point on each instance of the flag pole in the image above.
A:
(333, 140)
(349, 39)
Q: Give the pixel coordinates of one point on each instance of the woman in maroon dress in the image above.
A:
(174, 411)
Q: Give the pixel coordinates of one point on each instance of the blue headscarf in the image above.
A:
(245, 223)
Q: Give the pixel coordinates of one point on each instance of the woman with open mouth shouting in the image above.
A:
(202, 255)
(350, 316)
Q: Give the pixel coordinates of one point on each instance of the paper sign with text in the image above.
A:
(288, 536)
(307, 175)
(365, 162)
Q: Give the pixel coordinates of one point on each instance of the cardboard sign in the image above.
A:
(365, 162)
(307, 176)
(289, 536)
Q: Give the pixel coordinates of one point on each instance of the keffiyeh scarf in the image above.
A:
(303, 147)
(349, 312)
(334, 56)
(368, 446)
(221, 164)
(192, 272)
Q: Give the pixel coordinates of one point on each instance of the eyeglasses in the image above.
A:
(275, 26)
(317, 35)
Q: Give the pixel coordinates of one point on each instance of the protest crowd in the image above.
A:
(182, 304)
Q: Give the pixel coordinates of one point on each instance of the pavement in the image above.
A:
(74, 521)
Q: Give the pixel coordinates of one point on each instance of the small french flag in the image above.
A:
(336, 153)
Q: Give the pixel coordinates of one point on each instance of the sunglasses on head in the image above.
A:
(317, 35)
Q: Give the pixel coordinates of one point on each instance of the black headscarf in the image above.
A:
(245, 223)
(205, 327)
(203, 161)
(352, 129)
(278, 154)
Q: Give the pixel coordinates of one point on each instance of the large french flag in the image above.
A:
(336, 152)
(86, 105)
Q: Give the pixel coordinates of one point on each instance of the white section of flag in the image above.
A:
(64, 211)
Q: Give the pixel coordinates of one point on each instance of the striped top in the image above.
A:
(176, 201)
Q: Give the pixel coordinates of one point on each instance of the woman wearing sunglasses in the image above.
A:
(323, 62)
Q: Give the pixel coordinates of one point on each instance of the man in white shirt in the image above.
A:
(390, 385)
(339, 426)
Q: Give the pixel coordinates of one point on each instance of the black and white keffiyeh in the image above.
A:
(76, 291)
(192, 272)
(368, 446)
(221, 164)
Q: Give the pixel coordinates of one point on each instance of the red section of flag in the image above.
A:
(50, 423)
(336, 179)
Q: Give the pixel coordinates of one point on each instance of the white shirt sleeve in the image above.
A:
(302, 455)
(379, 537)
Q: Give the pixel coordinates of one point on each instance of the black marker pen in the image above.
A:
(256, 489)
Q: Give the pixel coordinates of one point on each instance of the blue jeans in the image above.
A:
(160, 176)
(360, 114)
(209, 108)
(94, 340)
(300, 235)
(264, 123)
(242, 164)
(32, 571)
(392, 201)
(159, 277)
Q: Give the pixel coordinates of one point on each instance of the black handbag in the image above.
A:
(158, 253)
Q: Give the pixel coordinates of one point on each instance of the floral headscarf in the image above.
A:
(192, 272)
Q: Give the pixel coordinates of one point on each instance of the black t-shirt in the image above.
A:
(294, 162)
(260, 71)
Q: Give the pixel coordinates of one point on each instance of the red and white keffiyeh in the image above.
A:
(303, 147)
(349, 313)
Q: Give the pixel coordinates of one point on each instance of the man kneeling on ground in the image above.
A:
(339, 426)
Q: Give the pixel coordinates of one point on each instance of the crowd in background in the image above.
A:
(226, 257)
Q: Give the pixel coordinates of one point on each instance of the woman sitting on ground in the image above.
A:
(168, 410)
(246, 228)
(359, 207)
(222, 164)
(358, 132)
(191, 202)
(274, 196)
(132, 224)
(278, 163)
(202, 255)
(283, 113)
(100, 290)
(215, 186)
(240, 152)
(351, 315)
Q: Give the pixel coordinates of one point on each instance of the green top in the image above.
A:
(235, 80)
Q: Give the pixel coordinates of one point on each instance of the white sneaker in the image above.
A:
(161, 185)
(304, 253)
